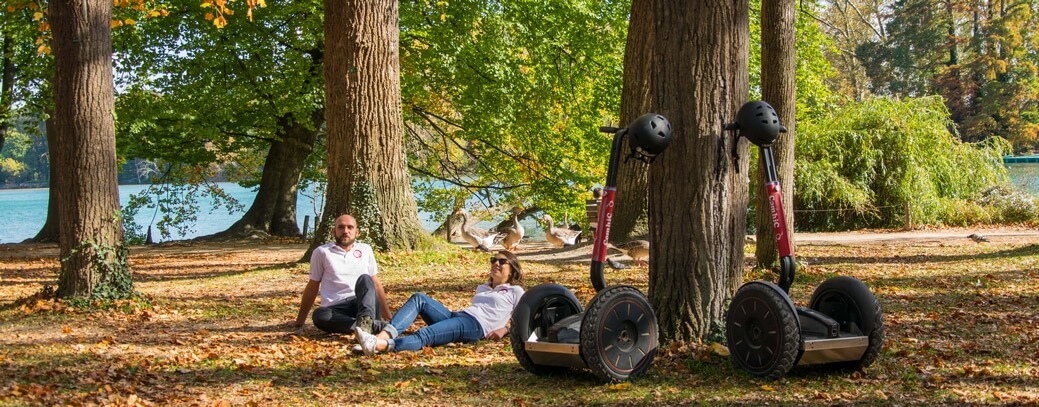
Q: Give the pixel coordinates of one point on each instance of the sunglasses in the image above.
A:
(501, 262)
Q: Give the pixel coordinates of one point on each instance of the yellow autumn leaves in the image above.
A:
(220, 6)
(218, 18)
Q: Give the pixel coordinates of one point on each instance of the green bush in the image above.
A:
(894, 163)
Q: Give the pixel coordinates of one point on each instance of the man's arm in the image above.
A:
(309, 294)
(384, 306)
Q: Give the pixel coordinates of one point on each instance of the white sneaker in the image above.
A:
(356, 349)
(366, 340)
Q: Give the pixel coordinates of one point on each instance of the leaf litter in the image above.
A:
(961, 326)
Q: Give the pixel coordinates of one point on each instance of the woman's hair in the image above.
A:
(515, 271)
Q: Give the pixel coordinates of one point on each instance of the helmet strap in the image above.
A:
(736, 151)
(639, 155)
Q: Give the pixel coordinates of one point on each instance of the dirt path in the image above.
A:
(542, 251)
(539, 250)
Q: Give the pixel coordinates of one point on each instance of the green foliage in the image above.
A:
(813, 97)
(870, 163)
(10, 168)
(179, 203)
(112, 266)
(986, 70)
(503, 100)
(24, 159)
(31, 93)
(200, 96)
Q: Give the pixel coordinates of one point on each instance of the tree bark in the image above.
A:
(697, 202)
(629, 217)
(91, 230)
(273, 211)
(49, 233)
(778, 88)
(367, 172)
(6, 87)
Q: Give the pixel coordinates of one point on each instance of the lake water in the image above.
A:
(23, 211)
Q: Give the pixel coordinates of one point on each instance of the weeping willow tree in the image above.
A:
(894, 163)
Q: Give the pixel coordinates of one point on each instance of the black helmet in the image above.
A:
(759, 123)
(649, 135)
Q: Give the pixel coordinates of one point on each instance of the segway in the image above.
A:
(616, 337)
(767, 335)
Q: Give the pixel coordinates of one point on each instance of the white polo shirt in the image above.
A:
(493, 307)
(337, 270)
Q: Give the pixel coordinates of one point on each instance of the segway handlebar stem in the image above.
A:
(602, 231)
(787, 265)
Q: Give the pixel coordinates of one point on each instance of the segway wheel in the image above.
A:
(539, 308)
(619, 334)
(761, 330)
(849, 302)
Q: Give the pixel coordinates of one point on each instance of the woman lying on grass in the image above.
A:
(486, 318)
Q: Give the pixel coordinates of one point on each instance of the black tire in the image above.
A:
(762, 331)
(529, 315)
(619, 334)
(850, 302)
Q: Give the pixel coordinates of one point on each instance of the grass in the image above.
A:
(962, 323)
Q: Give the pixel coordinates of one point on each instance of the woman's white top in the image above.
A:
(492, 308)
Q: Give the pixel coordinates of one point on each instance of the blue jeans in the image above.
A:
(444, 326)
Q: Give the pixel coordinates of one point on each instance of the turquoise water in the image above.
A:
(1025, 175)
(23, 211)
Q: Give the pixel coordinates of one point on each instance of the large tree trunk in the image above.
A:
(697, 201)
(367, 172)
(49, 233)
(91, 245)
(273, 211)
(778, 89)
(629, 218)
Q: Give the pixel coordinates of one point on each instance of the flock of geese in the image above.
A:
(511, 233)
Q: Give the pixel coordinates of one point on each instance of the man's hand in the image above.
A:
(498, 333)
(294, 324)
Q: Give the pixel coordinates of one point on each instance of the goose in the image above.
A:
(638, 250)
(559, 237)
(513, 233)
(480, 239)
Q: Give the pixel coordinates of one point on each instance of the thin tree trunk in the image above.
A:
(778, 88)
(6, 87)
(88, 194)
(49, 233)
(697, 202)
(629, 217)
(367, 172)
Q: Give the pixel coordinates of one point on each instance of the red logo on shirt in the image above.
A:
(503, 290)
(357, 254)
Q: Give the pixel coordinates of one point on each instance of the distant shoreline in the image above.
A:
(40, 186)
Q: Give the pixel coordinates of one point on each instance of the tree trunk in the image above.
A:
(697, 202)
(273, 211)
(367, 172)
(6, 87)
(778, 89)
(49, 233)
(91, 244)
(629, 217)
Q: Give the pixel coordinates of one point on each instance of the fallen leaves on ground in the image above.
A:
(961, 324)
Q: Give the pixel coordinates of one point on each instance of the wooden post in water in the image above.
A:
(306, 223)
